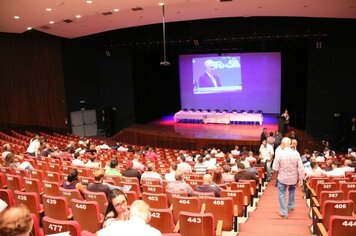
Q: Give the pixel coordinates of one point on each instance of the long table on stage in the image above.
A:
(217, 117)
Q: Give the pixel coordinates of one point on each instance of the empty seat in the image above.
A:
(70, 194)
(150, 182)
(185, 203)
(171, 193)
(100, 197)
(326, 186)
(155, 200)
(31, 200)
(7, 170)
(223, 209)
(162, 219)
(339, 226)
(196, 224)
(56, 207)
(7, 196)
(132, 187)
(129, 179)
(245, 187)
(347, 186)
(51, 188)
(202, 195)
(131, 197)
(152, 188)
(33, 185)
(87, 213)
(53, 226)
(2, 180)
(239, 200)
(37, 174)
(53, 176)
(15, 182)
(21, 172)
(36, 230)
(352, 196)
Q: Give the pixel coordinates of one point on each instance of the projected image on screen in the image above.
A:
(216, 74)
(234, 81)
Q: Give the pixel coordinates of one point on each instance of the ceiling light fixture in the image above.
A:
(29, 28)
(16, 17)
(164, 62)
(116, 10)
(51, 22)
(48, 9)
(89, 2)
(78, 16)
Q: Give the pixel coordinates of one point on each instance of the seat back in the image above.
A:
(196, 224)
(202, 195)
(325, 186)
(171, 193)
(31, 200)
(222, 209)
(342, 208)
(37, 174)
(133, 187)
(338, 181)
(155, 200)
(330, 195)
(7, 170)
(3, 180)
(87, 213)
(70, 194)
(342, 225)
(56, 207)
(194, 182)
(352, 196)
(244, 186)
(131, 197)
(53, 176)
(15, 182)
(51, 188)
(238, 198)
(315, 180)
(185, 203)
(36, 230)
(100, 197)
(150, 182)
(115, 179)
(7, 196)
(129, 179)
(152, 188)
(54, 167)
(347, 186)
(21, 172)
(162, 219)
(42, 165)
(53, 226)
(33, 185)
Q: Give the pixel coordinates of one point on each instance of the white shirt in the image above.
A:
(320, 159)
(235, 152)
(77, 162)
(266, 152)
(133, 227)
(250, 159)
(184, 167)
(336, 172)
(151, 175)
(170, 176)
(34, 145)
(137, 165)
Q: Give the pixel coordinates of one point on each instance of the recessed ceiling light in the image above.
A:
(161, 3)
(51, 22)
(116, 10)
(48, 9)
(16, 17)
(78, 16)
(29, 28)
(89, 2)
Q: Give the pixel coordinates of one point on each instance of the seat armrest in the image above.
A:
(219, 228)
(176, 228)
(318, 215)
(203, 207)
(321, 229)
(315, 203)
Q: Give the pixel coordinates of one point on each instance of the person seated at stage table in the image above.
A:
(242, 174)
(200, 167)
(130, 172)
(209, 78)
(227, 176)
(183, 166)
(151, 174)
(171, 176)
(178, 184)
(208, 186)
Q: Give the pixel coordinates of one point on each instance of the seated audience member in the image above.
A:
(244, 151)
(328, 164)
(171, 176)
(6, 149)
(140, 215)
(259, 163)
(77, 160)
(151, 155)
(179, 184)
(336, 171)
(245, 162)
(73, 182)
(93, 163)
(98, 185)
(250, 158)
(183, 166)
(318, 157)
(92, 149)
(210, 162)
(227, 176)
(353, 161)
(243, 174)
(347, 166)
(208, 186)
(117, 208)
(130, 172)
(217, 176)
(236, 151)
(314, 170)
(219, 154)
(151, 173)
(136, 164)
(306, 156)
(46, 150)
(13, 162)
(16, 221)
(103, 145)
(34, 147)
(113, 169)
(200, 167)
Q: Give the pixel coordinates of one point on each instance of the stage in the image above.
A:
(166, 133)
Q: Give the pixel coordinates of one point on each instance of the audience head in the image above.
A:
(114, 163)
(227, 169)
(140, 209)
(217, 176)
(200, 159)
(99, 175)
(16, 221)
(250, 153)
(9, 159)
(150, 166)
(181, 158)
(313, 165)
(286, 142)
(179, 175)
(117, 202)
(6, 147)
(207, 179)
(173, 166)
(72, 176)
(240, 166)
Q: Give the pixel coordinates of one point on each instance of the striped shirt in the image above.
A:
(289, 166)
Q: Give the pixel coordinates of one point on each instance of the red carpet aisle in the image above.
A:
(266, 221)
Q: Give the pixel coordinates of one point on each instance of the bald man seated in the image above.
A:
(208, 186)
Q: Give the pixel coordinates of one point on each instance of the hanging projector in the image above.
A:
(165, 63)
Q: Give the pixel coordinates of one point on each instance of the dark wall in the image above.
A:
(31, 80)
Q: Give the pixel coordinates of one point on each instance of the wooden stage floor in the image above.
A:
(167, 133)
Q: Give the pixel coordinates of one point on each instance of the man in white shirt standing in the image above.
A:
(266, 154)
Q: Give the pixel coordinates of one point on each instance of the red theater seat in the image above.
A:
(162, 219)
(155, 200)
(52, 226)
(56, 207)
(339, 226)
(185, 203)
(7, 196)
(196, 224)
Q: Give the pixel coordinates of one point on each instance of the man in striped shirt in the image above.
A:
(290, 170)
